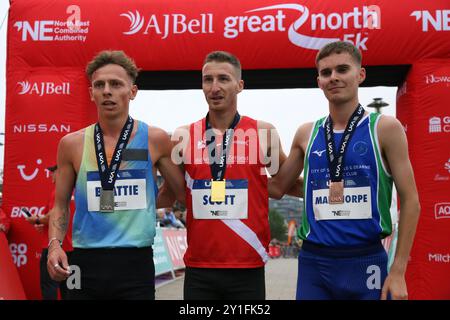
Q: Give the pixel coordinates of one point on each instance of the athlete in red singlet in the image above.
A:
(224, 157)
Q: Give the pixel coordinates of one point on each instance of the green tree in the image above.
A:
(278, 228)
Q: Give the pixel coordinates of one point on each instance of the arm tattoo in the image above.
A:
(61, 223)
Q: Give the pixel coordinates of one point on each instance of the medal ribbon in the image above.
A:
(336, 160)
(108, 175)
(218, 168)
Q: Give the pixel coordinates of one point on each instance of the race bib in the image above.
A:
(234, 207)
(130, 190)
(357, 200)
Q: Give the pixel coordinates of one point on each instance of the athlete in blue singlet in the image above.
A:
(350, 159)
(112, 165)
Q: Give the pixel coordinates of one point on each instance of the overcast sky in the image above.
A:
(285, 109)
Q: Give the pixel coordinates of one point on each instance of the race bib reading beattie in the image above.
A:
(130, 190)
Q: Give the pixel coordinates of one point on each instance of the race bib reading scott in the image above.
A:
(234, 207)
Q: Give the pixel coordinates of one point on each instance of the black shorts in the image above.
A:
(118, 273)
(224, 284)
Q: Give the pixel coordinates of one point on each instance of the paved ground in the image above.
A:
(281, 281)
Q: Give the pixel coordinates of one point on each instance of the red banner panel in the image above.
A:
(422, 107)
(264, 34)
(50, 41)
(43, 105)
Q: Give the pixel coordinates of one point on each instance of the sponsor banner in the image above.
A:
(422, 107)
(176, 243)
(43, 105)
(289, 32)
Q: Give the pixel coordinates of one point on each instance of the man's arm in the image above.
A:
(395, 150)
(287, 176)
(169, 170)
(59, 215)
(274, 156)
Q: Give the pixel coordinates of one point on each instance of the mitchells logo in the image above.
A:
(43, 88)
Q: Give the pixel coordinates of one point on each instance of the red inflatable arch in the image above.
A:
(50, 42)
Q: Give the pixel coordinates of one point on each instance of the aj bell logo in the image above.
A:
(43, 88)
(19, 253)
(439, 21)
(172, 24)
(367, 17)
(136, 21)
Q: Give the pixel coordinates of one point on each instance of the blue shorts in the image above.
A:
(326, 273)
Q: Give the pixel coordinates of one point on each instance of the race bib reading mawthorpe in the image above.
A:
(357, 200)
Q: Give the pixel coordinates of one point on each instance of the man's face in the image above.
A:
(112, 89)
(339, 77)
(221, 85)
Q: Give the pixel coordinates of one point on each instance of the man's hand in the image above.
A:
(2, 227)
(33, 220)
(395, 285)
(57, 265)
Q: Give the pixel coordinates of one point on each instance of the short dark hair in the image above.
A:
(223, 56)
(339, 47)
(113, 57)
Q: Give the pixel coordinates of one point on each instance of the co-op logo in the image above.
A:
(19, 253)
(367, 17)
(43, 88)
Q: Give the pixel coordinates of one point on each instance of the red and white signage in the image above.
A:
(423, 108)
(176, 243)
(50, 42)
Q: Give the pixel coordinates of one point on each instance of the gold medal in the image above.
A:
(106, 201)
(218, 190)
(336, 192)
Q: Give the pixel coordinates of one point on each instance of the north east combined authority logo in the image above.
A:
(70, 29)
